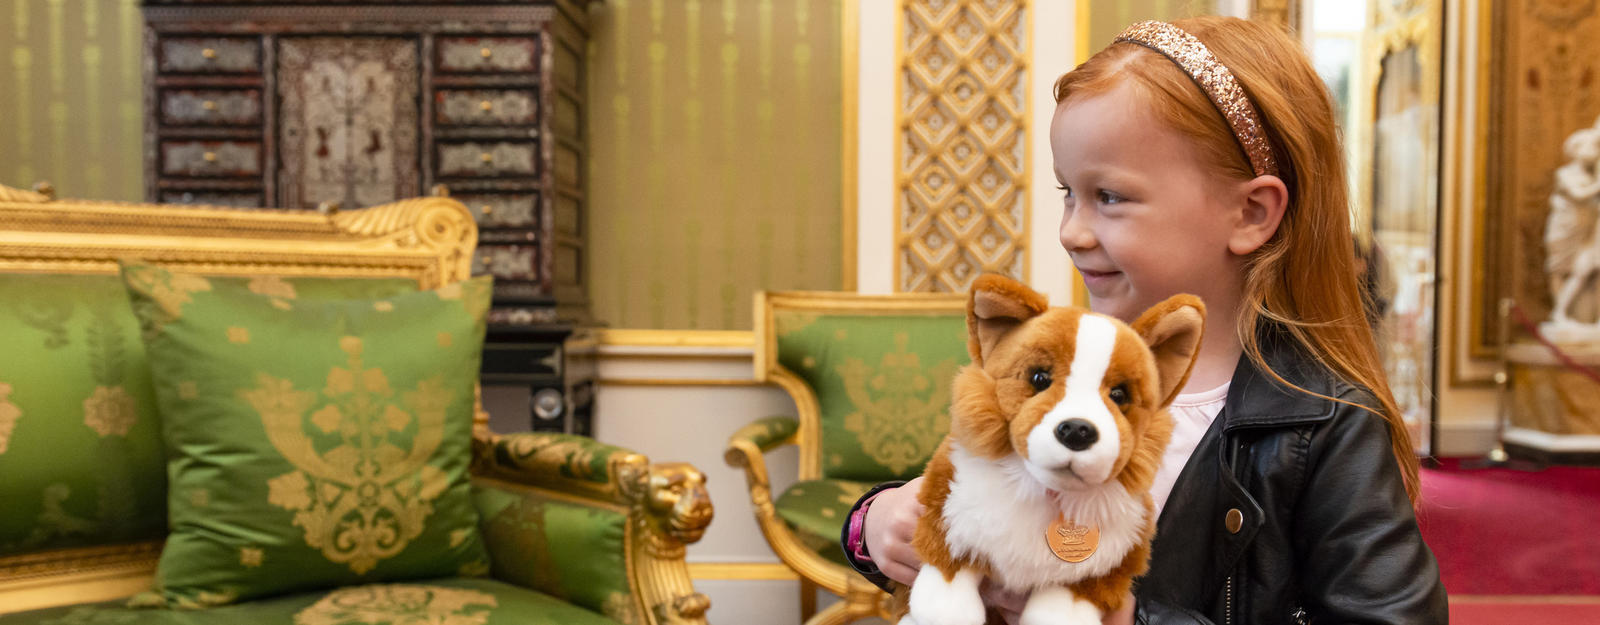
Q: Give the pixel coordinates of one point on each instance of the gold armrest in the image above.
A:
(746, 449)
(748, 446)
(667, 504)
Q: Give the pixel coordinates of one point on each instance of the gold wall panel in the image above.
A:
(1106, 18)
(1544, 83)
(715, 144)
(72, 88)
(961, 206)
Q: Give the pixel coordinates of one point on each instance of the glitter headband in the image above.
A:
(1213, 77)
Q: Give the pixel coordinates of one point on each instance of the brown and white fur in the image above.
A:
(1004, 473)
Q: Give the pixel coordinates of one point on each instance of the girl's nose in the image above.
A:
(1075, 231)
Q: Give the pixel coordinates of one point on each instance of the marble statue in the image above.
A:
(1572, 241)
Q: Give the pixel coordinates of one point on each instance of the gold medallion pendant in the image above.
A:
(1070, 541)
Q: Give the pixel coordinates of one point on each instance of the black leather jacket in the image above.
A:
(1324, 532)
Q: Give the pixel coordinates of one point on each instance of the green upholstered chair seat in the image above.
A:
(816, 510)
(454, 601)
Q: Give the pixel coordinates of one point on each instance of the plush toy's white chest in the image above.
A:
(997, 513)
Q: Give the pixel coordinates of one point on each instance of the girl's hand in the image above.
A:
(1010, 605)
(891, 521)
(1123, 615)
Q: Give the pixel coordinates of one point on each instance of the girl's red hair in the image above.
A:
(1304, 279)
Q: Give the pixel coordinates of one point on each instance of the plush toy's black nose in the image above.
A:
(1077, 434)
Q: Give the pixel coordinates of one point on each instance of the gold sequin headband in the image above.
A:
(1214, 78)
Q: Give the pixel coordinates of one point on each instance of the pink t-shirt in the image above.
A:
(1192, 414)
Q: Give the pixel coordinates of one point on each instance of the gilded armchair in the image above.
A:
(597, 531)
(870, 377)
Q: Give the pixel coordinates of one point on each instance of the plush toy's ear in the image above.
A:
(1173, 330)
(998, 305)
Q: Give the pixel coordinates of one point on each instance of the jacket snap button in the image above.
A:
(1235, 520)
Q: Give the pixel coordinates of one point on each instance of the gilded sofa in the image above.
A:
(578, 531)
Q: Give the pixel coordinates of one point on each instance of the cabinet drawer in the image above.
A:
(507, 262)
(189, 107)
(488, 54)
(211, 158)
(497, 158)
(486, 107)
(503, 210)
(212, 198)
(208, 55)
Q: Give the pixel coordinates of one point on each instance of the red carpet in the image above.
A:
(1507, 532)
(1513, 610)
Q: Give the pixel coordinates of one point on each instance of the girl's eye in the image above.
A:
(1107, 197)
(1066, 189)
(1119, 395)
(1039, 380)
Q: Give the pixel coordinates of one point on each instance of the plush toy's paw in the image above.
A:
(938, 602)
(1058, 606)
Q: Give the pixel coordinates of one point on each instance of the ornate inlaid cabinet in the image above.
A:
(303, 104)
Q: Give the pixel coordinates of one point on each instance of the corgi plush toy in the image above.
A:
(1043, 485)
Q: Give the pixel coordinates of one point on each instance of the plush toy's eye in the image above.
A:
(1039, 379)
(1119, 395)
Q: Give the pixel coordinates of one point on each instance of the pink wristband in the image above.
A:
(858, 522)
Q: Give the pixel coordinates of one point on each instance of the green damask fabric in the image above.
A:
(816, 510)
(458, 601)
(559, 547)
(80, 442)
(311, 443)
(882, 384)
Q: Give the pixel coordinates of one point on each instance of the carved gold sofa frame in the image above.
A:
(430, 240)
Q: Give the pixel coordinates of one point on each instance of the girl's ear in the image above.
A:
(997, 306)
(1263, 202)
(1173, 330)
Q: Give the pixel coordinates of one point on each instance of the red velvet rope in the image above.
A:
(1566, 359)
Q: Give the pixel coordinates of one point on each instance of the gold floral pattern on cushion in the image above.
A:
(110, 411)
(365, 499)
(399, 604)
(9, 415)
(273, 286)
(901, 406)
(170, 291)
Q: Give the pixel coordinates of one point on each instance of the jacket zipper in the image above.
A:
(1227, 606)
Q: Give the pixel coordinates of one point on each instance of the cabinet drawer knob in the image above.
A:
(209, 53)
(486, 209)
(210, 157)
(486, 260)
(486, 52)
(486, 157)
(210, 105)
(486, 106)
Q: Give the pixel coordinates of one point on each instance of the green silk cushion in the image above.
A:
(80, 443)
(311, 443)
(558, 546)
(882, 383)
(816, 511)
(458, 601)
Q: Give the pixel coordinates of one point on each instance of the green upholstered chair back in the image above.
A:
(871, 376)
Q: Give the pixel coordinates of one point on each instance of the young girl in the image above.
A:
(1202, 157)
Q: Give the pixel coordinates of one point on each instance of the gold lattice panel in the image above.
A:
(961, 154)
